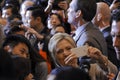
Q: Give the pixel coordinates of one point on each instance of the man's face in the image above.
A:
(23, 8)
(30, 21)
(21, 50)
(6, 13)
(22, 12)
(115, 32)
(71, 12)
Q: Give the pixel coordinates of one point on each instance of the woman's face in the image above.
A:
(54, 20)
(63, 52)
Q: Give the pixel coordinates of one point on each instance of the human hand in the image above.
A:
(114, 5)
(63, 5)
(94, 53)
(31, 30)
(111, 76)
(34, 33)
(71, 60)
(97, 55)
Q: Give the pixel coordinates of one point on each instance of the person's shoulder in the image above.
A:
(57, 70)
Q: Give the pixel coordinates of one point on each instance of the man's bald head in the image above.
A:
(103, 9)
(103, 15)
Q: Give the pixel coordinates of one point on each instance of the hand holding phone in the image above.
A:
(80, 51)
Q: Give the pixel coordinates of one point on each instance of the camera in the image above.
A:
(84, 63)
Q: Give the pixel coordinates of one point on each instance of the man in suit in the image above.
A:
(115, 32)
(80, 14)
(102, 20)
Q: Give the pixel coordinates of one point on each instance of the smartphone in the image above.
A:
(80, 51)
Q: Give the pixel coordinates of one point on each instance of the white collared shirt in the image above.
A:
(118, 77)
(79, 30)
(101, 29)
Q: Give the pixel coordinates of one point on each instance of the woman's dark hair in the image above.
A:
(12, 7)
(59, 17)
(13, 40)
(15, 29)
(7, 70)
(22, 67)
(12, 2)
(12, 17)
(65, 24)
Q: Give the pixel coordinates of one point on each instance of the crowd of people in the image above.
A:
(37, 38)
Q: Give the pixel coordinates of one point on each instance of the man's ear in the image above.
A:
(99, 17)
(78, 14)
(8, 48)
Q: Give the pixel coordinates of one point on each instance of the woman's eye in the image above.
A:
(59, 51)
(68, 48)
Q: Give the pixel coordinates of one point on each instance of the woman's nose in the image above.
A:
(66, 52)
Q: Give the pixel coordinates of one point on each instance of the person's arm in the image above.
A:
(102, 60)
(114, 5)
(49, 6)
(32, 31)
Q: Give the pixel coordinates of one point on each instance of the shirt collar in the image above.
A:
(80, 28)
(104, 28)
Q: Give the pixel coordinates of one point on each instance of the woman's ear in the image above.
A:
(8, 48)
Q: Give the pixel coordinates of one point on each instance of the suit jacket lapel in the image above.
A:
(78, 37)
(87, 27)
